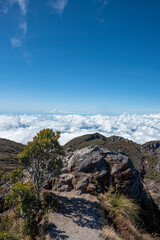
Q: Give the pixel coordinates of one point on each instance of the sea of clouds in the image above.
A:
(139, 128)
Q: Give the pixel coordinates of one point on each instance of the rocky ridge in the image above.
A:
(145, 157)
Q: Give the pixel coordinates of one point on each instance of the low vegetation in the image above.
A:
(16, 227)
(10, 227)
(42, 160)
(122, 216)
(110, 234)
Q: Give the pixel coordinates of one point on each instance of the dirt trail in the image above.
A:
(76, 218)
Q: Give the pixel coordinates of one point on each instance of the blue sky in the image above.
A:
(82, 56)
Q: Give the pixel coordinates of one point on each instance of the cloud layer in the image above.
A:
(139, 128)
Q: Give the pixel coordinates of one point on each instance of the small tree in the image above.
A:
(22, 199)
(42, 158)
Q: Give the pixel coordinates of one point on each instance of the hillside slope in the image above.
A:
(8, 156)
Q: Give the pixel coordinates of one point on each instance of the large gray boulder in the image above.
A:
(153, 189)
(87, 160)
(93, 169)
(88, 168)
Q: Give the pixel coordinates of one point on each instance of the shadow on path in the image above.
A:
(56, 234)
(80, 211)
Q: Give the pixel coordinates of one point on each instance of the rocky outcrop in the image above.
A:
(114, 143)
(151, 155)
(93, 169)
(85, 171)
(153, 189)
(125, 177)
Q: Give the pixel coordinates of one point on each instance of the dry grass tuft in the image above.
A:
(109, 234)
(122, 212)
(119, 206)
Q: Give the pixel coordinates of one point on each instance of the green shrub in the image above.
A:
(42, 158)
(16, 175)
(7, 236)
(6, 223)
(22, 199)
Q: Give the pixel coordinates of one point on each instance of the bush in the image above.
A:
(7, 236)
(42, 158)
(6, 228)
(16, 175)
(22, 199)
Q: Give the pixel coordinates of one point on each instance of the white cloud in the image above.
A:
(16, 42)
(22, 5)
(23, 27)
(59, 5)
(18, 39)
(6, 4)
(139, 128)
